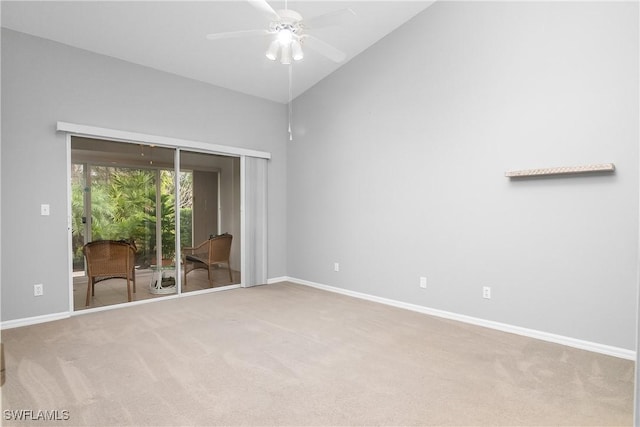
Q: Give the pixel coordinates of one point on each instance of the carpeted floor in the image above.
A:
(286, 354)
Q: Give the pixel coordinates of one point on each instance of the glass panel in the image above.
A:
(123, 192)
(209, 206)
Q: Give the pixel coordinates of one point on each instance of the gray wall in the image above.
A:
(44, 82)
(397, 167)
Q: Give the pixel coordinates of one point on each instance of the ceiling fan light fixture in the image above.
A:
(285, 36)
(296, 50)
(272, 52)
(285, 55)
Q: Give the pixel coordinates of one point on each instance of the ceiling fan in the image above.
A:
(289, 31)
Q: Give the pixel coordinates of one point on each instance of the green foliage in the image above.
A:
(186, 227)
(77, 225)
(123, 206)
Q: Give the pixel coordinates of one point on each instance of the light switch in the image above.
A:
(44, 209)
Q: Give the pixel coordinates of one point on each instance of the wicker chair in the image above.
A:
(109, 259)
(208, 254)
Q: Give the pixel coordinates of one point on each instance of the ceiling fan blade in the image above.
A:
(324, 48)
(265, 8)
(236, 34)
(331, 19)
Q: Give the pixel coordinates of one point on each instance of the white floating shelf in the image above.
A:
(565, 170)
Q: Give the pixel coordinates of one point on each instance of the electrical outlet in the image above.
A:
(38, 290)
(486, 292)
(336, 266)
(423, 282)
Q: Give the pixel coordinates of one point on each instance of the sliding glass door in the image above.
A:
(134, 193)
(122, 193)
(214, 210)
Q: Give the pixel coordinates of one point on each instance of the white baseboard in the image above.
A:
(9, 324)
(532, 333)
(278, 280)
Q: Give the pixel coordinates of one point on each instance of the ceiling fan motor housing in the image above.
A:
(289, 20)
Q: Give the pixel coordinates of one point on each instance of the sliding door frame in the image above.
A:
(77, 130)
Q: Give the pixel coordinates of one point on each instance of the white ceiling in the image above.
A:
(170, 36)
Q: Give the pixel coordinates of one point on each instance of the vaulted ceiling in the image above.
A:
(170, 36)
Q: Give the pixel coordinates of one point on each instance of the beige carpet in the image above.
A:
(286, 354)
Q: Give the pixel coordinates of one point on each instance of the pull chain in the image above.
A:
(286, 7)
(290, 100)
